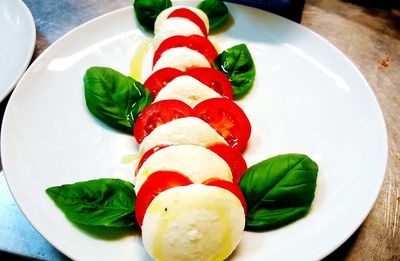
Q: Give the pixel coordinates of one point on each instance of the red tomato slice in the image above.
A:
(233, 157)
(234, 188)
(157, 114)
(156, 183)
(227, 118)
(195, 42)
(214, 79)
(192, 16)
(160, 78)
(147, 154)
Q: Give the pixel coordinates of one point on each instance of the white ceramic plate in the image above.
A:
(307, 98)
(17, 42)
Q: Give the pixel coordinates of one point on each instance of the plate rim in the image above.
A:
(124, 9)
(18, 76)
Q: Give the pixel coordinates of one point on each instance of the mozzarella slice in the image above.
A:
(196, 162)
(164, 15)
(195, 222)
(181, 58)
(187, 89)
(188, 130)
(175, 26)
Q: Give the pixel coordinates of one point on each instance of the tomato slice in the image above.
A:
(190, 15)
(234, 188)
(147, 154)
(198, 43)
(157, 114)
(214, 79)
(227, 118)
(156, 183)
(233, 157)
(160, 78)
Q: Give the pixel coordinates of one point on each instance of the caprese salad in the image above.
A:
(193, 195)
(188, 204)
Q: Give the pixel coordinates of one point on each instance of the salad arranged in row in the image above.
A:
(188, 206)
(193, 194)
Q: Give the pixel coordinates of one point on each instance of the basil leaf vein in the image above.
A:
(114, 98)
(279, 190)
(102, 202)
(236, 62)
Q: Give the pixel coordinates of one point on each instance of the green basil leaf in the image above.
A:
(216, 11)
(146, 11)
(102, 202)
(114, 98)
(278, 190)
(237, 63)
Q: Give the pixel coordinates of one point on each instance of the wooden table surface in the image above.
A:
(370, 37)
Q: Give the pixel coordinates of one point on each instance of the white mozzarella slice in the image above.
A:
(181, 58)
(164, 15)
(195, 222)
(187, 89)
(175, 26)
(188, 130)
(196, 162)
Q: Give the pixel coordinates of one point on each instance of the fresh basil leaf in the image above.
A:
(269, 218)
(216, 11)
(237, 63)
(102, 202)
(278, 190)
(146, 11)
(114, 98)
